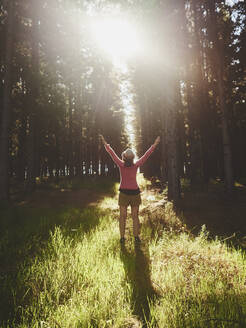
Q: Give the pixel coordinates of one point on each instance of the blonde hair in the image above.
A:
(128, 156)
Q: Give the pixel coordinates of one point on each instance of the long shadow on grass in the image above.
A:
(137, 270)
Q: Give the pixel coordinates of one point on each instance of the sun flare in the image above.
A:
(116, 36)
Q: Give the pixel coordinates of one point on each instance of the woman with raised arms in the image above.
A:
(129, 189)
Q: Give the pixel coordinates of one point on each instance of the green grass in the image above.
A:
(65, 268)
(202, 283)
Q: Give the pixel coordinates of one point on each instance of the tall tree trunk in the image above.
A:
(201, 95)
(32, 119)
(164, 177)
(70, 132)
(171, 138)
(20, 169)
(225, 135)
(219, 67)
(192, 137)
(5, 113)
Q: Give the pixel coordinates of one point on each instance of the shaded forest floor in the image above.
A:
(62, 264)
(64, 192)
(222, 215)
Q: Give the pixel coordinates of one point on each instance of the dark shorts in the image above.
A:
(132, 200)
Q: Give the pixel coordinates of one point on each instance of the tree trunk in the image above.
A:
(171, 137)
(225, 135)
(219, 67)
(164, 177)
(70, 132)
(5, 114)
(20, 165)
(32, 119)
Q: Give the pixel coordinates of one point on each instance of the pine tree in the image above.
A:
(6, 110)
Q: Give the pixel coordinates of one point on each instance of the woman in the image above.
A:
(129, 189)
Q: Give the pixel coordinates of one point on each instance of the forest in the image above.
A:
(59, 90)
(132, 70)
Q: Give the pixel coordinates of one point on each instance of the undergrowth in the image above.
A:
(66, 269)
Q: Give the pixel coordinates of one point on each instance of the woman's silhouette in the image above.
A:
(129, 189)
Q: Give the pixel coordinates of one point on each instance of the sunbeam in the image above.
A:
(116, 36)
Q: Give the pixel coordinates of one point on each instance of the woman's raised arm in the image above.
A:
(111, 152)
(148, 152)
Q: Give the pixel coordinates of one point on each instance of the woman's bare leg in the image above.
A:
(123, 215)
(135, 218)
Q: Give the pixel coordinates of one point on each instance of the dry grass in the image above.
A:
(79, 276)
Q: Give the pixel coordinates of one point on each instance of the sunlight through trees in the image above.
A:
(71, 70)
(60, 88)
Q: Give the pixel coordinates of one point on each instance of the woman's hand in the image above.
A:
(103, 140)
(157, 140)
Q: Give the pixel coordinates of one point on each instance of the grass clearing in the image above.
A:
(65, 268)
(202, 282)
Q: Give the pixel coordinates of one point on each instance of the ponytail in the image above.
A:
(128, 162)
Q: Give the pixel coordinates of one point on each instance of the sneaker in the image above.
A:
(122, 240)
(137, 239)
